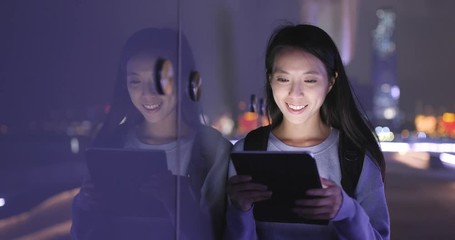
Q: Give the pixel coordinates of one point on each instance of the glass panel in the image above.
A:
(60, 64)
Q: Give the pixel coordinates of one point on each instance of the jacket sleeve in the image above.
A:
(367, 216)
(240, 225)
(213, 191)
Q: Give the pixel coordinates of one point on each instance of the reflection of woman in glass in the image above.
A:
(145, 114)
(313, 110)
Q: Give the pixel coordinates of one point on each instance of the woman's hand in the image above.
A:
(91, 194)
(243, 192)
(325, 203)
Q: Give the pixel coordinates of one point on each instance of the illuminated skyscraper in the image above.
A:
(385, 87)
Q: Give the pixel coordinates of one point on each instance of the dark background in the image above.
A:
(58, 58)
(58, 61)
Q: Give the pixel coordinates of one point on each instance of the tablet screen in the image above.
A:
(120, 173)
(287, 174)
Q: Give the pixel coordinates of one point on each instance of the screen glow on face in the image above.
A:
(299, 84)
(143, 91)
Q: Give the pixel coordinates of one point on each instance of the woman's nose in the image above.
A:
(296, 88)
(150, 88)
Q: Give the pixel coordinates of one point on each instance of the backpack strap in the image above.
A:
(351, 157)
(351, 163)
(257, 140)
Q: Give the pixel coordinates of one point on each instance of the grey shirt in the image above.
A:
(177, 152)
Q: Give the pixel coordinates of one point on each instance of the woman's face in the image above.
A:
(140, 77)
(299, 84)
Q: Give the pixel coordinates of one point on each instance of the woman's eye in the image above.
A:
(280, 79)
(133, 81)
(310, 81)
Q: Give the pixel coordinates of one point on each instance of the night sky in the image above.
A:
(59, 55)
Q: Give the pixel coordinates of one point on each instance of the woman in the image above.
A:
(312, 109)
(148, 112)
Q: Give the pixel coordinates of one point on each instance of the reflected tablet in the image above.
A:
(120, 173)
(287, 174)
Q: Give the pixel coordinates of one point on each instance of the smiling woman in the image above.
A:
(149, 113)
(313, 110)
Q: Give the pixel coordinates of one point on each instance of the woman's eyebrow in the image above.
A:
(132, 73)
(278, 70)
(310, 72)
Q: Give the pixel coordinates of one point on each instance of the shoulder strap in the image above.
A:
(257, 140)
(351, 163)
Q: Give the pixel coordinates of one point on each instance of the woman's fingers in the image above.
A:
(320, 210)
(243, 183)
(323, 203)
(243, 193)
(239, 179)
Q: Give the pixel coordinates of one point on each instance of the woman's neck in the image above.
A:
(302, 135)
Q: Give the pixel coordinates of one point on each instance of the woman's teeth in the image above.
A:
(296, 107)
(151, 106)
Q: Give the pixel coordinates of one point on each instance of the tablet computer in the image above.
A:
(287, 174)
(120, 173)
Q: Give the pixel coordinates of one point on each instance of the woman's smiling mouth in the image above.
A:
(151, 106)
(296, 107)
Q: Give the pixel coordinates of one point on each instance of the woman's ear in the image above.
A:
(332, 81)
(195, 86)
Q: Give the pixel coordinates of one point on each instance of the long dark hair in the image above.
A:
(162, 43)
(340, 109)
